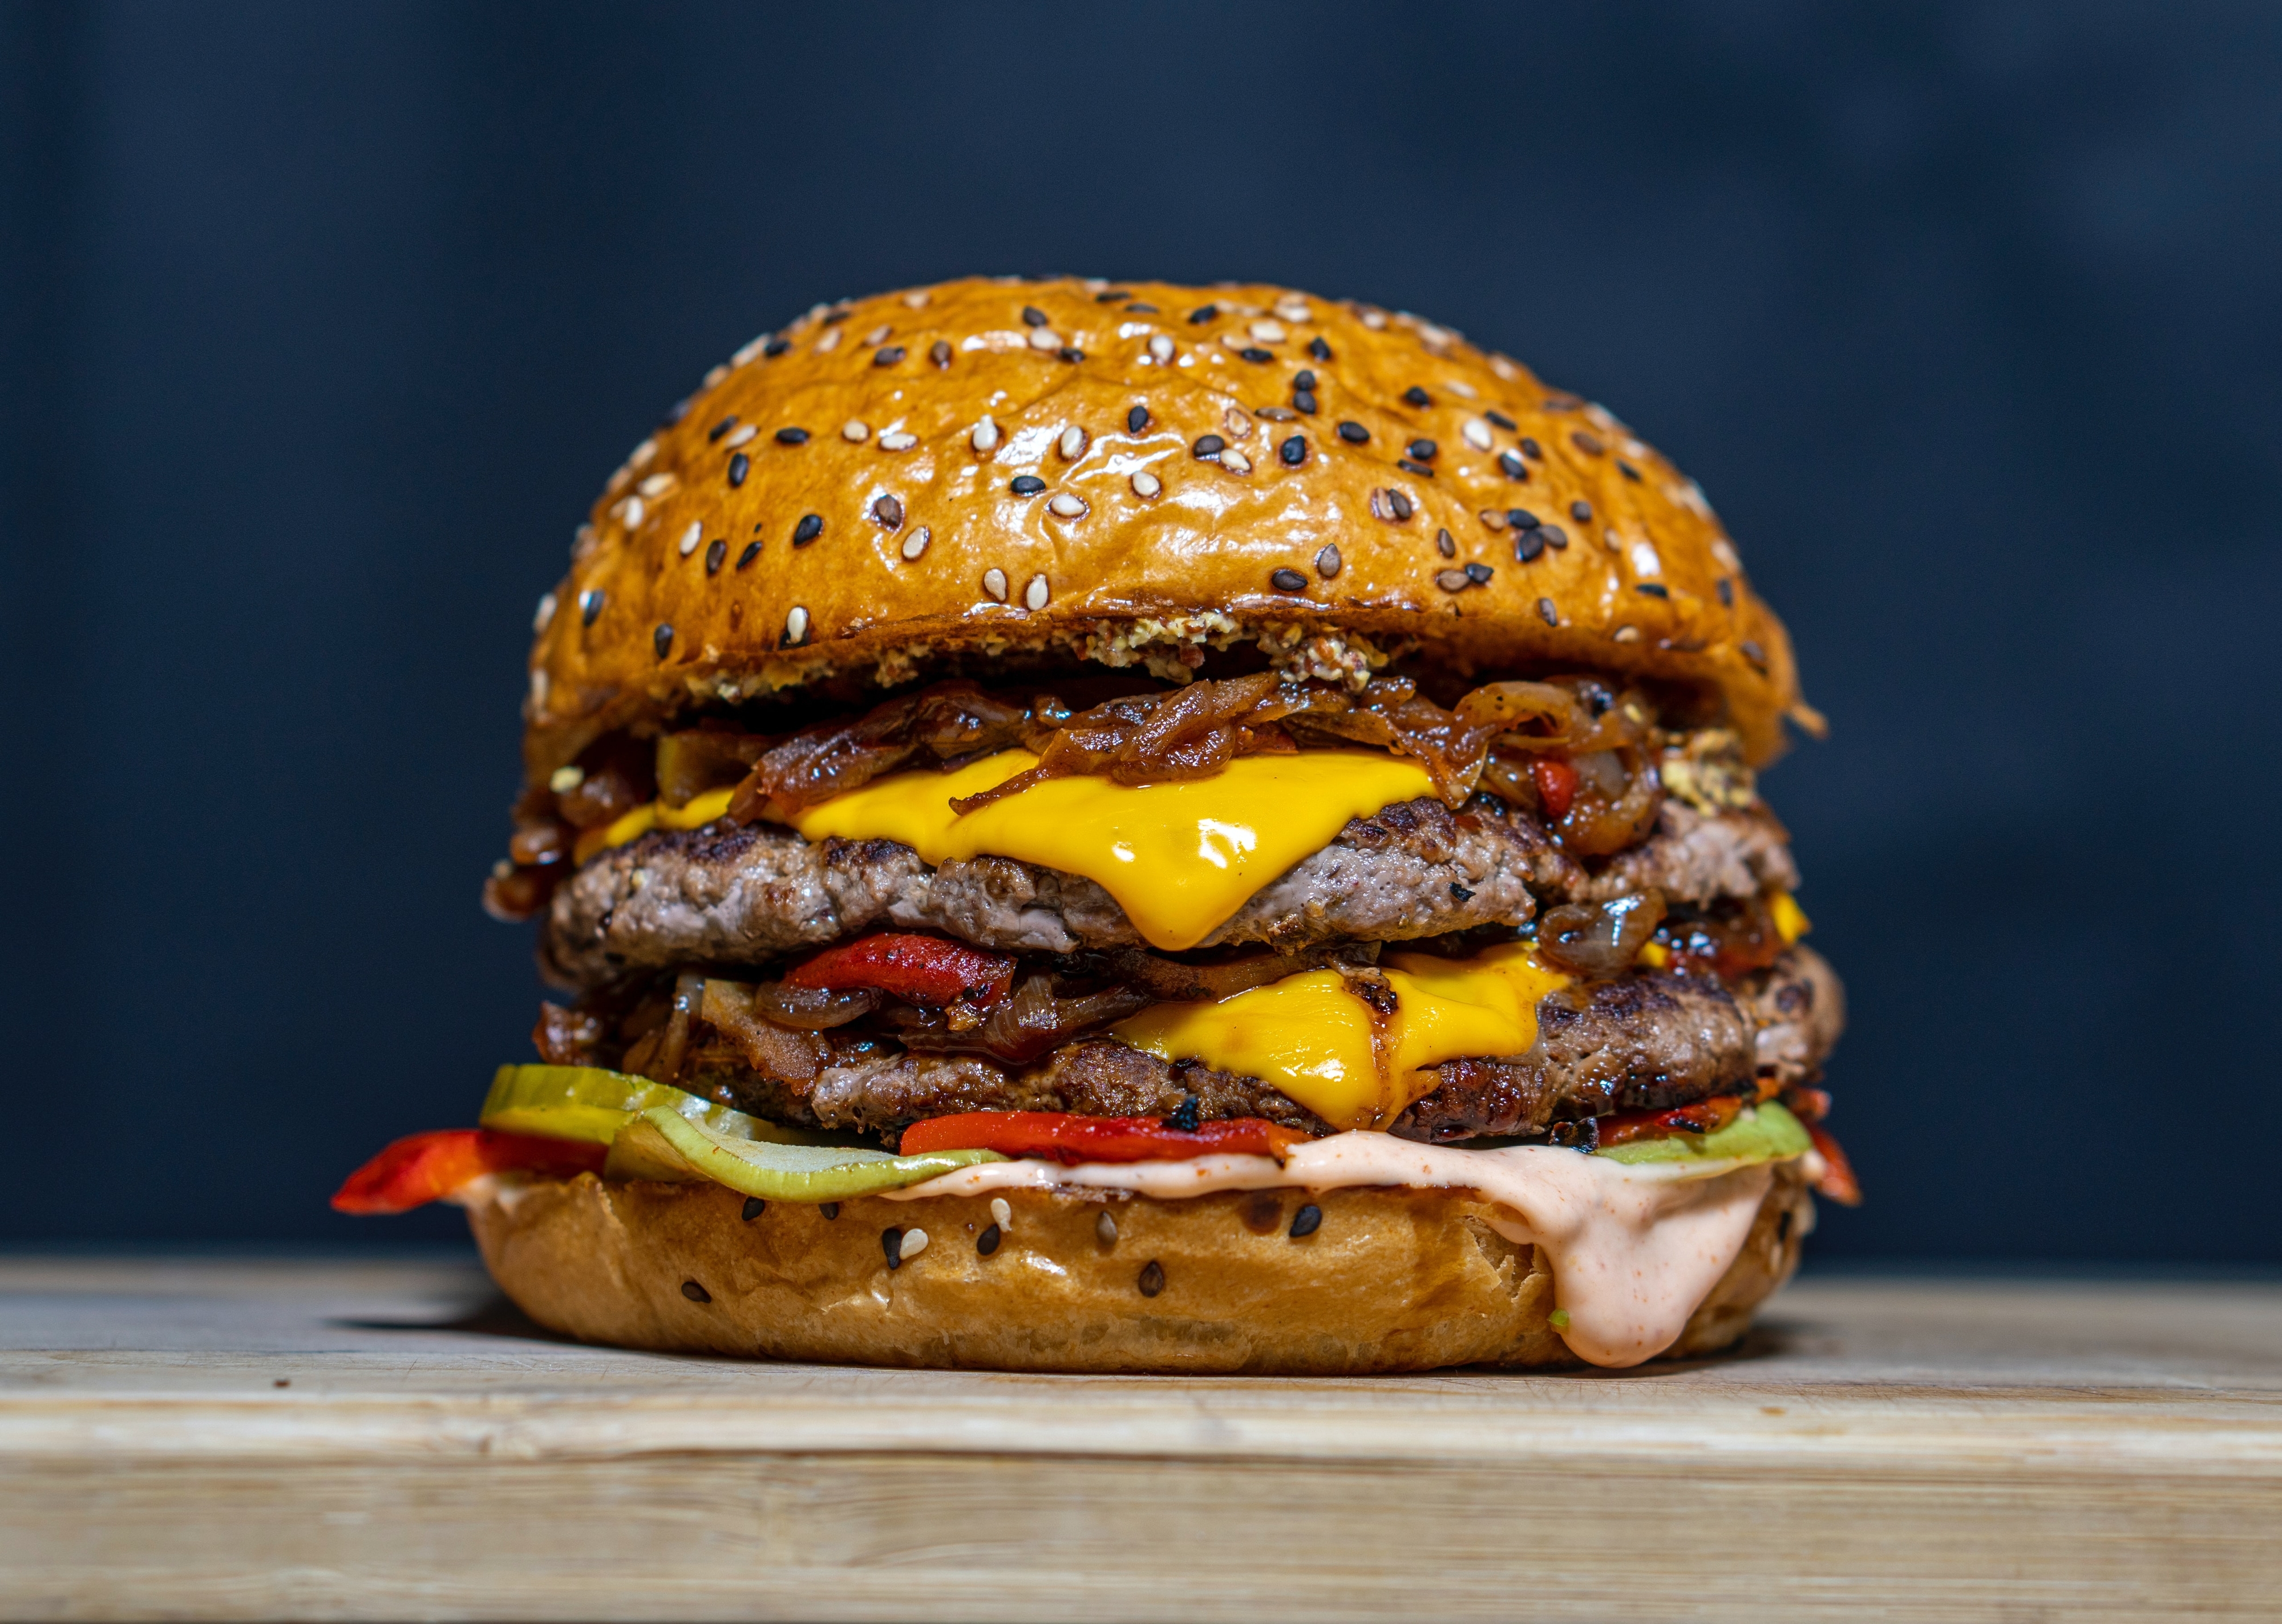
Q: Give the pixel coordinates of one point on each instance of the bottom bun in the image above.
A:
(1391, 1279)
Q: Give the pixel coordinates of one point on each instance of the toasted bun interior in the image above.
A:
(1390, 1280)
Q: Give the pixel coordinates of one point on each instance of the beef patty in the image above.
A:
(726, 895)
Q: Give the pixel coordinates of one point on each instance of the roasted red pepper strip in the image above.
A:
(1704, 1116)
(428, 1167)
(1837, 1182)
(1556, 786)
(1059, 1136)
(918, 969)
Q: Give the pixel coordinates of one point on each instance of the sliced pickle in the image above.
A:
(1765, 1133)
(588, 1103)
(665, 1146)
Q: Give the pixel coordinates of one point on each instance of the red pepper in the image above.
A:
(1556, 786)
(428, 1167)
(1704, 1116)
(1837, 1182)
(1060, 1137)
(916, 968)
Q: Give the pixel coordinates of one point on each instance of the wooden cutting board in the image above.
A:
(347, 1440)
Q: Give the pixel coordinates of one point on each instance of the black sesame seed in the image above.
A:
(1423, 449)
(1144, 309)
(776, 346)
(811, 526)
(1112, 297)
(721, 427)
(752, 551)
(1186, 1115)
(590, 605)
(1581, 511)
(1726, 592)
(939, 352)
(1208, 447)
(838, 316)
(714, 555)
(1445, 544)
(1137, 420)
(696, 1292)
(1204, 312)
(1653, 589)
(1512, 466)
(1562, 403)
(792, 436)
(1304, 400)
(1288, 581)
(986, 1242)
(1275, 414)
(1461, 892)
(1417, 396)
(1072, 353)
(1304, 378)
(1479, 574)
(1327, 562)
(662, 639)
(1293, 451)
(1754, 653)
(1547, 612)
(1503, 421)
(1026, 484)
(888, 512)
(1257, 356)
(1320, 350)
(1628, 470)
(679, 409)
(740, 466)
(1152, 1277)
(888, 356)
(1521, 518)
(1032, 316)
(1306, 1221)
(1398, 502)
(753, 1207)
(1530, 449)
(1584, 442)
(830, 1209)
(1527, 545)
(1554, 536)
(1354, 433)
(891, 1242)
(1409, 467)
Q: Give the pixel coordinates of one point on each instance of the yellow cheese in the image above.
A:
(1790, 919)
(1179, 858)
(699, 813)
(1316, 1042)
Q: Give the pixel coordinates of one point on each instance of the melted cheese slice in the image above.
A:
(1322, 1046)
(1180, 858)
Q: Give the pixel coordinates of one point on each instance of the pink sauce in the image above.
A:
(1633, 1249)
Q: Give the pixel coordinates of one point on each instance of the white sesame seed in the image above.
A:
(1044, 339)
(1237, 422)
(1146, 484)
(562, 780)
(1034, 594)
(1104, 1229)
(916, 298)
(796, 625)
(539, 694)
(631, 516)
(655, 486)
(1001, 1214)
(985, 437)
(1161, 348)
(750, 349)
(829, 342)
(994, 582)
(1268, 332)
(916, 543)
(1460, 388)
(878, 334)
(742, 437)
(1434, 337)
(1294, 310)
(641, 454)
(856, 430)
(1645, 561)
(1235, 461)
(1072, 444)
(692, 536)
(714, 375)
(1476, 433)
(544, 617)
(1627, 634)
(1505, 369)
(914, 1243)
(1376, 319)
(1065, 505)
(900, 439)
(1454, 581)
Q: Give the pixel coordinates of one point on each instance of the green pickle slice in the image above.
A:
(662, 1143)
(1763, 1133)
(590, 1104)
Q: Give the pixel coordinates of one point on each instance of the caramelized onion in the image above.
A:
(699, 760)
(944, 725)
(1618, 794)
(773, 1051)
(1599, 942)
(814, 1009)
(1030, 1021)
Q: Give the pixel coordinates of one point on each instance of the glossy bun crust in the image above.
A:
(819, 510)
(1395, 1279)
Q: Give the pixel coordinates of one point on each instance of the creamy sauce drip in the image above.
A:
(1633, 1249)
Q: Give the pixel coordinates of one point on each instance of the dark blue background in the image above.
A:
(322, 324)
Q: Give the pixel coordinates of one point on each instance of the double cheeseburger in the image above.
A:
(1136, 828)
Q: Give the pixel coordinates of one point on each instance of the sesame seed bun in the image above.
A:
(1391, 1279)
(961, 469)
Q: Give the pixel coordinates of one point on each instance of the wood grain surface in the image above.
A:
(345, 1440)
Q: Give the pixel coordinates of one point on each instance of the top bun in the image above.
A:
(825, 507)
